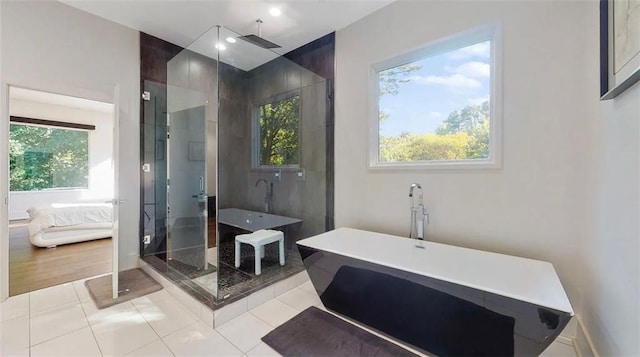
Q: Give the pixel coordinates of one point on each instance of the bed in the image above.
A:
(56, 224)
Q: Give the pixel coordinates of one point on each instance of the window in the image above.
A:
(437, 106)
(278, 128)
(42, 157)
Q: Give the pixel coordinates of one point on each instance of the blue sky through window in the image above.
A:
(445, 82)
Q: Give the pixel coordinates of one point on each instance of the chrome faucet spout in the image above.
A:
(413, 187)
(268, 195)
(419, 216)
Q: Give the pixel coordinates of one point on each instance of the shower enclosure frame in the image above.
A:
(326, 45)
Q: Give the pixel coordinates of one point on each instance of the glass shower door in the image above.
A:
(192, 150)
(187, 198)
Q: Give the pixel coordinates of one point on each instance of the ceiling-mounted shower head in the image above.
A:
(258, 40)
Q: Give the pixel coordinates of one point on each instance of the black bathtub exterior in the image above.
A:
(435, 316)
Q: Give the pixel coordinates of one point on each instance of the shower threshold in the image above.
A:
(219, 286)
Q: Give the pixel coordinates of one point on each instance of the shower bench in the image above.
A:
(258, 240)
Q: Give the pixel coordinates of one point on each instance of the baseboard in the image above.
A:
(565, 340)
(583, 349)
(18, 215)
(570, 331)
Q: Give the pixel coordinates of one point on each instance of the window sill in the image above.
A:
(50, 191)
(460, 165)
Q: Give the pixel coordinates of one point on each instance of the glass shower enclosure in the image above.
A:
(244, 149)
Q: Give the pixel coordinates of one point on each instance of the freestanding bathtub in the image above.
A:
(252, 221)
(441, 299)
(234, 221)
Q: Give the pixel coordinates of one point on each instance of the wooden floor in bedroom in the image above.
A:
(32, 268)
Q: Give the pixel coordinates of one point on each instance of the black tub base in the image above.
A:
(435, 316)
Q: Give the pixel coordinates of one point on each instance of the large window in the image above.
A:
(278, 129)
(42, 158)
(437, 106)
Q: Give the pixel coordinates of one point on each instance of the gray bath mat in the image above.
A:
(314, 332)
(132, 284)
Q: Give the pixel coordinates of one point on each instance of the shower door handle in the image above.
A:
(201, 184)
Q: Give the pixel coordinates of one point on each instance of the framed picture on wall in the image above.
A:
(619, 46)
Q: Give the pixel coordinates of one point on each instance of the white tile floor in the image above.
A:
(63, 321)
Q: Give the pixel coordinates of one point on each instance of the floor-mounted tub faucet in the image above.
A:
(419, 216)
(268, 195)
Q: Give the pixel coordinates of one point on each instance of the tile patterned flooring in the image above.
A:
(63, 321)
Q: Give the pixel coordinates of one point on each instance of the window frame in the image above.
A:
(255, 132)
(89, 129)
(450, 43)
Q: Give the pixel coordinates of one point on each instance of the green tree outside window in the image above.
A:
(464, 135)
(47, 158)
(279, 124)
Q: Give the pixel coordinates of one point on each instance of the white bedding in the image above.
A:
(67, 215)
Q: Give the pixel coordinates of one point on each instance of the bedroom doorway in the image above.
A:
(61, 188)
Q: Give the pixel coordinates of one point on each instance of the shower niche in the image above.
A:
(238, 139)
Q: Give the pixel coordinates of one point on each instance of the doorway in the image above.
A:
(61, 189)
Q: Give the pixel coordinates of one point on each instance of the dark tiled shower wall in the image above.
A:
(293, 196)
(319, 57)
(311, 199)
(154, 56)
(233, 131)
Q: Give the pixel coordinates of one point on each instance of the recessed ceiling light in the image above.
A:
(231, 40)
(221, 47)
(274, 11)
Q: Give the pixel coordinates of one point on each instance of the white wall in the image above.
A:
(52, 47)
(611, 312)
(100, 156)
(569, 188)
(534, 206)
(4, 174)
(611, 254)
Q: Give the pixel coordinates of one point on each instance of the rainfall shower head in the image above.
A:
(258, 40)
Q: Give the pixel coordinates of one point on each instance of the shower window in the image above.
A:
(277, 139)
(436, 107)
